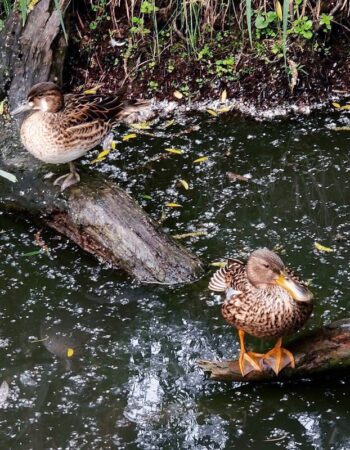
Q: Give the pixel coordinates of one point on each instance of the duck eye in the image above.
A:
(267, 266)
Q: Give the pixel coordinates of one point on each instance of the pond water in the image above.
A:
(94, 360)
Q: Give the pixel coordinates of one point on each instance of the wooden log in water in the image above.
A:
(97, 215)
(322, 350)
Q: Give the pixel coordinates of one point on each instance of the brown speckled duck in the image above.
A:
(62, 128)
(263, 299)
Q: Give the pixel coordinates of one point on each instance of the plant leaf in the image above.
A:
(187, 235)
(178, 95)
(322, 248)
(201, 159)
(33, 253)
(146, 197)
(2, 107)
(336, 105)
(70, 352)
(212, 112)
(4, 392)
(184, 184)
(97, 160)
(127, 137)
(174, 150)
(141, 126)
(223, 97)
(9, 176)
(279, 10)
(218, 264)
(173, 205)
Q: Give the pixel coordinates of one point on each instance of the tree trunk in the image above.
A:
(97, 215)
(33, 52)
(322, 350)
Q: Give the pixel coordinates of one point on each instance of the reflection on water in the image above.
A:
(93, 360)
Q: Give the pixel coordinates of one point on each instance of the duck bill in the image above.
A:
(20, 109)
(296, 290)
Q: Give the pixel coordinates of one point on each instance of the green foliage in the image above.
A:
(139, 26)
(225, 66)
(148, 8)
(302, 27)
(264, 19)
(326, 21)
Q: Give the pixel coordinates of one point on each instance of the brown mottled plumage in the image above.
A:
(264, 299)
(61, 128)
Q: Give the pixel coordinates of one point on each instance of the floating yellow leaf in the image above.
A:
(184, 184)
(97, 160)
(322, 248)
(201, 159)
(212, 112)
(279, 10)
(187, 235)
(178, 95)
(2, 107)
(102, 154)
(141, 126)
(218, 264)
(174, 150)
(336, 105)
(173, 205)
(169, 123)
(113, 145)
(223, 97)
(341, 129)
(346, 108)
(127, 137)
(224, 109)
(70, 352)
(93, 90)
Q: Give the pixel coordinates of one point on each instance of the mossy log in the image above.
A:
(322, 350)
(97, 215)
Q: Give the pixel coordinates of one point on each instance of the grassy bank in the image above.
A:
(264, 51)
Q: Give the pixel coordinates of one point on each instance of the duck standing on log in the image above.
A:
(266, 300)
(62, 128)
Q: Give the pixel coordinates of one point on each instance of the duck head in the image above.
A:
(265, 268)
(45, 97)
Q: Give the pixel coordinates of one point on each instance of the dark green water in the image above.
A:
(132, 382)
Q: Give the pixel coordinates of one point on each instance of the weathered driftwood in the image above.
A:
(322, 350)
(33, 52)
(98, 215)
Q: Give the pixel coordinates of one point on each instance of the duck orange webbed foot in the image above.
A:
(249, 361)
(278, 358)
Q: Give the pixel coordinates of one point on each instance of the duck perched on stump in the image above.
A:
(62, 128)
(266, 300)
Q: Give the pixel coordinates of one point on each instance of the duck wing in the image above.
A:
(232, 275)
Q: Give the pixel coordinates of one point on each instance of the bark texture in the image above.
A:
(322, 350)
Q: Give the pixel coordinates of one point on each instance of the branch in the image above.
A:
(322, 350)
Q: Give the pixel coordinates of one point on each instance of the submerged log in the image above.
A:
(97, 215)
(323, 350)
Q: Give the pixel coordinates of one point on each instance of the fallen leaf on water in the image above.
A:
(113, 145)
(187, 235)
(218, 264)
(127, 137)
(169, 123)
(336, 105)
(322, 248)
(4, 392)
(341, 129)
(178, 95)
(93, 90)
(212, 112)
(102, 154)
(141, 126)
(223, 97)
(174, 150)
(9, 176)
(184, 184)
(224, 109)
(2, 107)
(173, 205)
(235, 176)
(146, 197)
(33, 253)
(97, 160)
(201, 159)
(70, 352)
